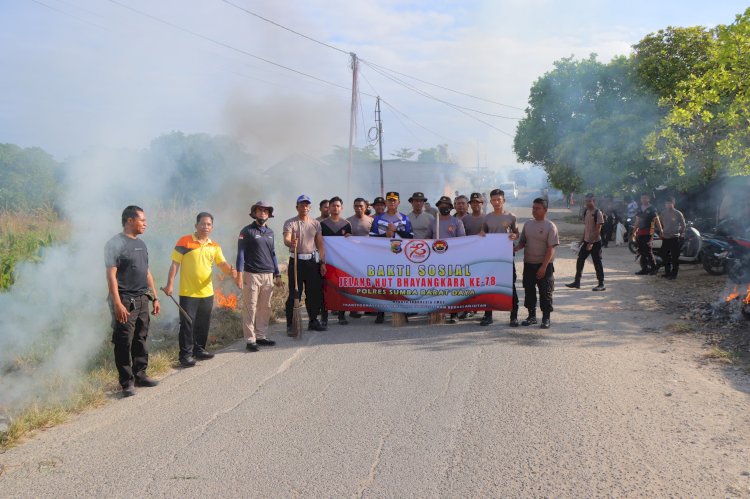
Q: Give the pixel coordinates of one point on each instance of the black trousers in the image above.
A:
(193, 338)
(670, 255)
(546, 286)
(596, 257)
(607, 230)
(310, 282)
(645, 249)
(514, 310)
(129, 339)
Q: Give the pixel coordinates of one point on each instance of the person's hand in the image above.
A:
(512, 236)
(277, 281)
(293, 241)
(238, 280)
(121, 313)
(347, 234)
(156, 307)
(168, 289)
(540, 273)
(589, 246)
(234, 273)
(481, 233)
(323, 269)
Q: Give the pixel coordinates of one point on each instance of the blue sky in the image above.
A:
(83, 73)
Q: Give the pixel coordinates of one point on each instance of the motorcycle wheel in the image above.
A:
(714, 265)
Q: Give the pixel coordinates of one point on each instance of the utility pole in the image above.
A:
(380, 142)
(352, 122)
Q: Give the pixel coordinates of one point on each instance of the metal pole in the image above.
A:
(380, 142)
(352, 123)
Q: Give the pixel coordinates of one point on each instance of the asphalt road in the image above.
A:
(602, 404)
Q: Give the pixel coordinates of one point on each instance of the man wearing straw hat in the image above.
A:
(305, 234)
(256, 260)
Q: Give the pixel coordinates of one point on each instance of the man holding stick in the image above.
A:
(304, 234)
(257, 273)
(196, 254)
(131, 287)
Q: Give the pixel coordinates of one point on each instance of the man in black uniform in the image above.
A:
(131, 287)
(334, 225)
(646, 221)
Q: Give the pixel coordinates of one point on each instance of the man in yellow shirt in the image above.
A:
(196, 254)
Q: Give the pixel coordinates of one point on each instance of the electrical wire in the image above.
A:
(225, 45)
(79, 19)
(413, 120)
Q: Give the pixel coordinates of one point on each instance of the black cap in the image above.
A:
(444, 200)
(378, 200)
(417, 196)
(476, 196)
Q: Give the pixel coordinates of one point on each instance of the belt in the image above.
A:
(303, 256)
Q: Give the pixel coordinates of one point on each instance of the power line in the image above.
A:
(79, 19)
(314, 40)
(371, 64)
(225, 45)
(457, 108)
(413, 120)
(283, 27)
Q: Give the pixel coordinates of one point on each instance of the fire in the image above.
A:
(735, 295)
(225, 301)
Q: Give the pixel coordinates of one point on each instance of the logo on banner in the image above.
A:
(396, 245)
(417, 251)
(440, 246)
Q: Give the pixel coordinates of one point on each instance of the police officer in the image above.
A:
(421, 221)
(646, 222)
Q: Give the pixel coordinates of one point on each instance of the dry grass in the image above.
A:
(721, 355)
(679, 328)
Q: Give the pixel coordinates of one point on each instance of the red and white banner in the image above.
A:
(419, 275)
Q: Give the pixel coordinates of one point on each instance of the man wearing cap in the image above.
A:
(591, 244)
(538, 240)
(194, 256)
(360, 222)
(378, 204)
(446, 226)
(391, 224)
(473, 221)
(421, 221)
(305, 234)
(500, 221)
(258, 271)
(324, 210)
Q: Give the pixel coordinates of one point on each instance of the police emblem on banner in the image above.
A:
(440, 246)
(396, 245)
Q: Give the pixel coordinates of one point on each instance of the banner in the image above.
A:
(377, 274)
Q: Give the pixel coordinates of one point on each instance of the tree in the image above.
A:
(437, 154)
(585, 125)
(28, 178)
(707, 130)
(404, 153)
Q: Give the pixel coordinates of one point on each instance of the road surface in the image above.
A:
(602, 404)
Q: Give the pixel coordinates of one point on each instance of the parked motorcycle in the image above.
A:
(691, 250)
(724, 253)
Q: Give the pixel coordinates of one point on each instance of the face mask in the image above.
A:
(444, 210)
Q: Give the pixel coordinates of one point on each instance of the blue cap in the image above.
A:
(303, 198)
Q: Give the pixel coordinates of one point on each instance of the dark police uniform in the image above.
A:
(644, 238)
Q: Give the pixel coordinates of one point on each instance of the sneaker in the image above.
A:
(145, 381)
(653, 272)
(342, 319)
(380, 318)
(128, 391)
(672, 277)
(203, 355)
(642, 272)
(486, 321)
(252, 347)
(599, 288)
(574, 285)
(355, 315)
(529, 321)
(513, 322)
(265, 342)
(545, 323)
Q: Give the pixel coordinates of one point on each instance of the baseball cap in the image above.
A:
(303, 198)
(391, 195)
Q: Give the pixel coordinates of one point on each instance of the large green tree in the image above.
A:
(707, 130)
(585, 125)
